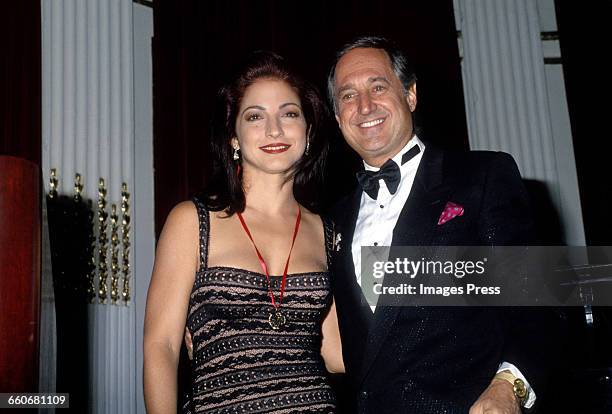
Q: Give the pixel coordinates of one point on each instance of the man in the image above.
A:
(424, 359)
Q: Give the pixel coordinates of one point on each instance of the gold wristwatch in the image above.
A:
(518, 386)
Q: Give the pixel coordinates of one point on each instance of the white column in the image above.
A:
(88, 128)
(514, 101)
(143, 220)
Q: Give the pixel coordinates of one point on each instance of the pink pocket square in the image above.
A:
(451, 210)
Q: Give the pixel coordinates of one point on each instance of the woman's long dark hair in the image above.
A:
(225, 190)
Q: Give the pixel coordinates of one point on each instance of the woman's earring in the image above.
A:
(236, 154)
(307, 150)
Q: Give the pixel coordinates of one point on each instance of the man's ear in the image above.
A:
(411, 97)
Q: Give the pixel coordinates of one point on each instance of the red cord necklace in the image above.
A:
(276, 318)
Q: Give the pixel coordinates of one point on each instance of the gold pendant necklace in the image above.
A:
(276, 320)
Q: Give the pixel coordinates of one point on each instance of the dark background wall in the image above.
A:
(196, 42)
(20, 79)
(585, 38)
(585, 41)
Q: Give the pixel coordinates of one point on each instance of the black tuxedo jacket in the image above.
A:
(435, 359)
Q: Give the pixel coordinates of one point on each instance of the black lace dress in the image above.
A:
(240, 364)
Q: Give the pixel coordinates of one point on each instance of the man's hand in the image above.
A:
(188, 343)
(498, 398)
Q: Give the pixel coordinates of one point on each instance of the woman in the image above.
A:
(246, 264)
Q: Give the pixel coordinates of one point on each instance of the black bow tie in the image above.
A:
(389, 172)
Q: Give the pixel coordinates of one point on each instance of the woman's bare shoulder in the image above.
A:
(177, 247)
(182, 223)
(184, 213)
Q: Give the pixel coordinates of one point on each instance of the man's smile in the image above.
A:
(372, 123)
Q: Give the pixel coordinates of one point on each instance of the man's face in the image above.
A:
(373, 109)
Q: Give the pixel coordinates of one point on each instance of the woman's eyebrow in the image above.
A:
(288, 104)
(253, 107)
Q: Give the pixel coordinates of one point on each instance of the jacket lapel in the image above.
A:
(419, 217)
(354, 313)
(415, 227)
(345, 218)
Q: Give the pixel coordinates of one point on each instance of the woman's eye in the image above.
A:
(292, 114)
(253, 117)
(347, 96)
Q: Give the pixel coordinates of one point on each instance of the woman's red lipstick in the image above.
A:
(275, 148)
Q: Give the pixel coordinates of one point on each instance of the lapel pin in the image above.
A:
(337, 240)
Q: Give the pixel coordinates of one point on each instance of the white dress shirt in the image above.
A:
(377, 219)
